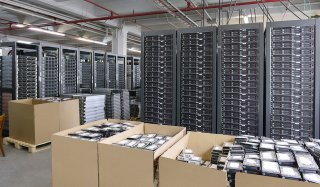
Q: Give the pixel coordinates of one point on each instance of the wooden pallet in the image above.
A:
(31, 148)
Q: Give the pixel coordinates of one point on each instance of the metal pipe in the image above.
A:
(298, 9)
(287, 8)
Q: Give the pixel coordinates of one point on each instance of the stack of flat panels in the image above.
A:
(240, 79)
(85, 70)
(136, 73)
(69, 73)
(49, 76)
(292, 80)
(196, 79)
(129, 73)
(7, 70)
(111, 71)
(159, 77)
(92, 107)
(121, 72)
(99, 71)
(27, 76)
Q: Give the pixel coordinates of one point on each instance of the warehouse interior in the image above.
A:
(159, 93)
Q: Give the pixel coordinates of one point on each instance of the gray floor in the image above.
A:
(22, 169)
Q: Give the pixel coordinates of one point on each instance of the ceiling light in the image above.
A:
(134, 50)
(91, 41)
(24, 42)
(46, 31)
(19, 25)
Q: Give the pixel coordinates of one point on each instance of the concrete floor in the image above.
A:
(23, 169)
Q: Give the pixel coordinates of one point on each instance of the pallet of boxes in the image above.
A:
(33, 121)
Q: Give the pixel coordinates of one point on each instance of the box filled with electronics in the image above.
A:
(33, 121)
(246, 162)
(193, 162)
(134, 156)
(75, 151)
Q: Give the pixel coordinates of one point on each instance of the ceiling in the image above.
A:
(56, 15)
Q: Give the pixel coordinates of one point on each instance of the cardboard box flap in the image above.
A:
(168, 130)
(29, 101)
(176, 149)
(250, 180)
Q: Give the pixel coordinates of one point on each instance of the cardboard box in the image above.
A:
(75, 161)
(124, 167)
(33, 121)
(250, 180)
(69, 114)
(174, 173)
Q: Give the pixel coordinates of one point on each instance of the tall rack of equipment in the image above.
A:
(49, 71)
(85, 71)
(99, 70)
(240, 79)
(69, 70)
(158, 72)
(121, 72)
(133, 73)
(19, 63)
(293, 79)
(111, 75)
(196, 82)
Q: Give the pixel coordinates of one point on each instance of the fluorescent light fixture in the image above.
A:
(91, 41)
(134, 50)
(24, 42)
(246, 19)
(46, 31)
(19, 25)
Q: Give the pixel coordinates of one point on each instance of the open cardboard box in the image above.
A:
(174, 173)
(250, 180)
(69, 114)
(33, 121)
(75, 161)
(124, 167)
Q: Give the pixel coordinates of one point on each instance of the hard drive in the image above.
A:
(268, 156)
(311, 177)
(251, 165)
(266, 147)
(306, 163)
(290, 173)
(270, 168)
(286, 159)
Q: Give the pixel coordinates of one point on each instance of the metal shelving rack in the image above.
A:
(196, 80)
(158, 73)
(240, 79)
(133, 73)
(292, 79)
(49, 71)
(69, 70)
(111, 76)
(85, 71)
(121, 72)
(99, 69)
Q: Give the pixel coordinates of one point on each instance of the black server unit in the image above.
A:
(292, 79)
(196, 79)
(121, 72)
(85, 71)
(158, 72)
(49, 69)
(133, 73)
(111, 75)
(69, 70)
(240, 79)
(99, 70)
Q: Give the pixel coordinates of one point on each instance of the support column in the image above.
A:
(119, 42)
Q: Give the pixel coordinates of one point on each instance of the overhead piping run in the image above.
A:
(298, 9)
(193, 4)
(287, 8)
(175, 12)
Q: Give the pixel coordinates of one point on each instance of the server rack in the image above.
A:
(99, 69)
(292, 79)
(158, 72)
(196, 82)
(121, 72)
(133, 73)
(69, 70)
(49, 71)
(240, 79)
(19, 78)
(111, 78)
(85, 71)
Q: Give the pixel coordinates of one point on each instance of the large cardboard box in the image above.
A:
(124, 167)
(69, 114)
(174, 173)
(33, 121)
(75, 161)
(250, 180)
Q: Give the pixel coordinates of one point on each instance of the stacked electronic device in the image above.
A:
(197, 79)
(133, 73)
(111, 71)
(92, 107)
(292, 84)
(121, 72)
(159, 81)
(99, 70)
(27, 76)
(85, 71)
(49, 75)
(69, 71)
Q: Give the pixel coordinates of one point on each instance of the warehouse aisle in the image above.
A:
(22, 169)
